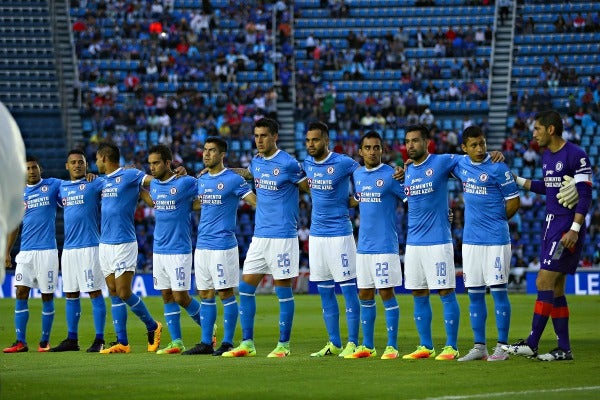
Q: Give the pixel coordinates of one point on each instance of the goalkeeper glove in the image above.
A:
(568, 196)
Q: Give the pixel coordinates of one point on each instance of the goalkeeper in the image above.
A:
(567, 184)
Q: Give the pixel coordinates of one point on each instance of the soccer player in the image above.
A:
(274, 248)
(331, 250)
(80, 261)
(37, 261)
(216, 257)
(12, 183)
(378, 260)
(118, 246)
(172, 198)
(491, 199)
(563, 235)
(429, 259)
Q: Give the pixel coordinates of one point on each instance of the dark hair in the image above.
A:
(110, 151)
(319, 126)
(471, 132)
(550, 117)
(370, 135)
(164, 152)
(30, 158)
(268, 123)
(419, 128)
(221, 144)
(76, 151)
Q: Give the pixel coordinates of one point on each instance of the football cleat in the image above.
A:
(390, 353)
(200, 348)
(557, 354)
(16, 347)
(116, 347)
(329, 350)
(44, 347)
(448, 353)
(66, 345)
(96, 346)
(245, 349)
(420, 352)
(349, 349)
(154, 338)
(498, 355)
(520, 348)
(280, 351)
(479, 352)
(362, 352)
(175, 347)
(225, 347)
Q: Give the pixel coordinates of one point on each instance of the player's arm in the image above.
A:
(243, 172)
(146, 198)
(197, 204)
(352, 202)
(147, 180)
(10, 242)
(512, 206)
(496, 156)
(303, 185)
(250, 198)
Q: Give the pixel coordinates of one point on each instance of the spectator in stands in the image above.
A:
(427, 118)
(504, 6)
(560, 25)
(530, 158)
(579, 23)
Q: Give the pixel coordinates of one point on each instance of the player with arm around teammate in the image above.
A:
(491, 199)
(274, 248)
(216, 257)
(563, 236)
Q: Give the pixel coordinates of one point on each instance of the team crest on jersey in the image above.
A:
(173, 191)
(276, 171)
(82, 186)
(118, 180)
(44, 189)
(483, 177)
(330, 170)
(379, 183)
(559, 166)
(407, 191)
(220, 185)
(429, 172)
(19, 277)
(64, 202)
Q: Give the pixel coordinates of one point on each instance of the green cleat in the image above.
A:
(448, 354)
(349, 349)
(245, 349)
(420, 352)
(175, 347)
(330, 349)
(390, 353)
(362, 352)
(280, 351)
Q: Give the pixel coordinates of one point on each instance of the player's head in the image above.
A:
(317, 140)
(108, 153)
(215, 150)
(34, 171)
(371, 149)
(160, 158)
(548, 126)
(416, 140)
(76, 164)
(266, 131)
(473, 143)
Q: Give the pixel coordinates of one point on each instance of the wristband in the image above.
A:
(520, 181)
(575, 226)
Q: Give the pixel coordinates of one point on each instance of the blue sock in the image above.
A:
(73, 312)
(21, 318)
(368, 312)
(331, 311)
(47, 319)
(139, 308)
(173, 319)
(230, 316)
(478, 313)
(99, 315)
(352, 309)
(247, 310)
(119, 316)
(286, 312)
(451, 318)
(422, 316)
(503, 311)
(392, 318)
(193, 310)
(208, 316)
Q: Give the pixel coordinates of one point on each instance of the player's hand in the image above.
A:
(7, 261)
(569, 239)
(450, 215)
(398, 174)
(180, 171)
(497, 156)
(568, 196)
(90, 177)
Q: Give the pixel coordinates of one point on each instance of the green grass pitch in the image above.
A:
(142, 375)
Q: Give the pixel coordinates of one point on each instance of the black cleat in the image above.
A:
(200, 348)
(96, 346)
(66, 345)
(224, 347)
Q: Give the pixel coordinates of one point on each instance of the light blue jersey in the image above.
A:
(329, 182)
(39, 221)
(426, 186)
(377, 193)
(276, 179)
(220, 195)
(486, 187)
(173, 200)
(81, 201)
(119, 198)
